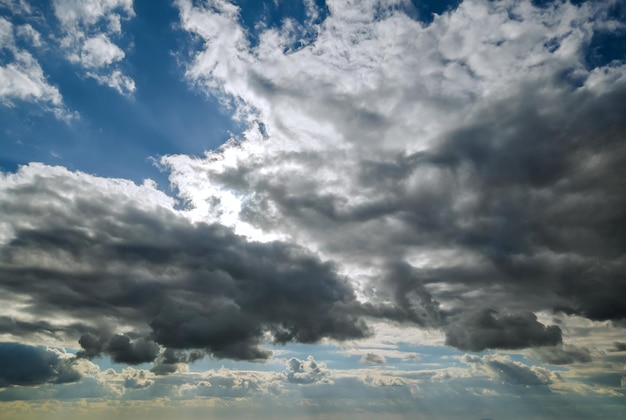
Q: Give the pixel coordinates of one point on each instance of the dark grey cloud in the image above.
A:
(619, 346)
(123, 350)
(172, 283)
(25, 365)
(404, 286)
(486, 329)
(169, 360)
(528, 191)
(24, 329)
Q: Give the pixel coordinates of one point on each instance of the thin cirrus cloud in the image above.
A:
(458, 176)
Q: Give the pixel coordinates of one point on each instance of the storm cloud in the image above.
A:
(25, 365)
(485, 193)
(181, 285)
(488, 330)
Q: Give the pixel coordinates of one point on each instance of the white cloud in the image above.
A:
(116, 80)
(306, 371)
(99, 51)
(72, 13)
(22, 78)
(373, 359)
(29, 33)
(74, 185)
(18, 7)
(504, 369)
(89, 43)
(366, 88)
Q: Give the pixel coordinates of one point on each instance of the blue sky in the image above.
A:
(115, 135)
(312, 209)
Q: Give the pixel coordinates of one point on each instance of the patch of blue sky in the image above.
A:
(257, 16)
(115, 136)
(425, 10)
(209, 363)
(606, 48)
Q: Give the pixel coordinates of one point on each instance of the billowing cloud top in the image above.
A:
(466, 172)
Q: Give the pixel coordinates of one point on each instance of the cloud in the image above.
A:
(95, 249)
(17, 7)
(116, 80)
(306, 371)
(171, 361)
(120, 347)
(619, 346)
(511, 372)
(29, 33)
(27, 366)
(373, 359)
(99, 51)
(562, 355)
(487, 329)
(464, 174)
(22, 78)
(88, 28)
(227, 384)
(137, 379)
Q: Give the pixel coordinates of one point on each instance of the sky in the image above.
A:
(383, 209)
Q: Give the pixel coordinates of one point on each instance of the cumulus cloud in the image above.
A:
(562, 355)
(137, 379)
(120, 347)
(171, 361)
(89, 29)
(465, 173)
(21, 75)
(226, 383)
(373, 359)
(306, 371)
(511, 372)
(95, 249)
(487, 329)
(99, 51)
(27, 365)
